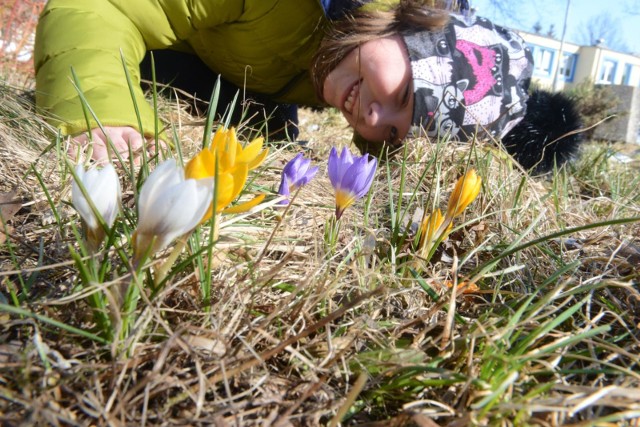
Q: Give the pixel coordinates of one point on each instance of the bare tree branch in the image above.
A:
(631, 7)
(603, 29)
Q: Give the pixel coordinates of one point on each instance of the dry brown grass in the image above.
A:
(296, 333)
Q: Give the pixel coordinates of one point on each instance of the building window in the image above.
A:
(607, 72)
(630, 76)
(568, 66)
(543, 60)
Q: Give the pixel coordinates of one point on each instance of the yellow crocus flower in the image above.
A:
(431, 231)
(234, 163)
(466, 190)
(429, 226)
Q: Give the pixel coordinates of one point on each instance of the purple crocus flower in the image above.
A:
(295, 174)
(350, 177)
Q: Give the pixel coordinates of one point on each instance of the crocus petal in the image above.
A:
(359, 176)
(177, 210)
(334, 168)
(109, 203)
(234, 163)
(300, 173)
(284, 189)
(253, 154)
(169, 222)
(201, 166)
(228, 151)
(369, 171)
(239, 174)
(224, 191)
(292, 167)
(309, 174)
(345, 157)
(219, 137)
(431, 232)
(338, 165)
(166, 175)
(80, 202)
(225, 146)
(295, 174)
(245, 206)
(258, 160)
(429, 226)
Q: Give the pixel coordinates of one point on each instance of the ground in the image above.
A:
(527, 313)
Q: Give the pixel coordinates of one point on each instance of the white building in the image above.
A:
(598, 64)
(559, 66)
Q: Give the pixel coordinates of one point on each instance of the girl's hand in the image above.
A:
(122, 137)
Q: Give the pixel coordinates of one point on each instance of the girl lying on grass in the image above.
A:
(444, 76)
(394, 68)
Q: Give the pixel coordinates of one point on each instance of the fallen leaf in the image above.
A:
(10, 204)
(214, 346)
(465, 287)
(481, 229)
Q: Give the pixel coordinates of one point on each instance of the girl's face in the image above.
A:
(372, 87)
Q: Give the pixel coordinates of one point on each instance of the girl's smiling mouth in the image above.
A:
(350, 97)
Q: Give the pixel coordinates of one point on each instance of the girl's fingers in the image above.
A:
(124, 140)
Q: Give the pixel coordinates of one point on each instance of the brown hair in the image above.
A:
(370, 23)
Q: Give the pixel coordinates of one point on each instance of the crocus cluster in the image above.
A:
(95, 194)
(174, 200)
(351, 177)
(436, 227)
(296, 173)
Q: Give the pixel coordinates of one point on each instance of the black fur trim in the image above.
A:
(543, 137)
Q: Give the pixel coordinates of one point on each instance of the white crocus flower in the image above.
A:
(103, 189)
(168, 207)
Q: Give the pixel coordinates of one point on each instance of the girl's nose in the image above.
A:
(373, 114)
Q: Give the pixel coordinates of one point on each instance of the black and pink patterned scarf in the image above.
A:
(470, 78)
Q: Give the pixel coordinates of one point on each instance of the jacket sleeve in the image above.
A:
(92, 38)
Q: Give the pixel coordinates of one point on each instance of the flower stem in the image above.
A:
(161, 272)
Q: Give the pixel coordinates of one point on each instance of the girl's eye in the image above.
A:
(393, 135)
(405, 98)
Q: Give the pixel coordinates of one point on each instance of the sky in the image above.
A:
(580, 11)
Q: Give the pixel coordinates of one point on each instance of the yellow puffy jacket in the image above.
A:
(263, 45)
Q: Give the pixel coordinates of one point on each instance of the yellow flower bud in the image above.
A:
(431, 231)
(466, 190)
